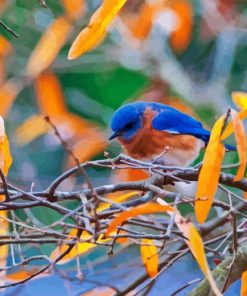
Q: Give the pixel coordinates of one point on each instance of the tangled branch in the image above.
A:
(86, 216)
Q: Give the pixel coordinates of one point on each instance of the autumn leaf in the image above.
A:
(5, 47)
(195, 244)
(149, 255)
(240, 99)
(74, 9)
(49, 94)
(5, 163)
(148, 208)
(244, 284)
(8, 93)
(96, 31)
(49, 46)
(210, 172)
(241, 144)
(140, 24)
(181, 36)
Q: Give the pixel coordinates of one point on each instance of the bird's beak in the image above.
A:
(115, 135)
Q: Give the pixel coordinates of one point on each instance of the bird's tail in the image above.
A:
(230, 147)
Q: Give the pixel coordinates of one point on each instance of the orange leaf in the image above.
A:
(244, 284)
(74, 9)
(148, 208)
(49, 94)
(195, 244)
(5, 46)
(96, 31)
(229, 128)
(240, 99)
(8, 94)
(241, 144)
(210, 172)
(140, 24)
(181, 36)
(23, 273)
(49, 46)
(150, 258)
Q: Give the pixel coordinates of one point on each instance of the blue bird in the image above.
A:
(148, 129)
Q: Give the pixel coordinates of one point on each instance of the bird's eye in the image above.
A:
(130, 125)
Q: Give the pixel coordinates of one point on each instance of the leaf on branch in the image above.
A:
(244, 284)
(96, 31)
(5, 163)
(79, 249)
(49, 46)
(240, 100)
(74, 9)
(240, 136)
(195, 244)
(210, 172)
(148, 208)
(23, 273)
(150, 257)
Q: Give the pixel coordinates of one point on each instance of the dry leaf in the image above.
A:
(150, 257)
(49, 46)
(210, 172)
(240, 99)
(96, 31)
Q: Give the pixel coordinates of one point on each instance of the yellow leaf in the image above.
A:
(49, 46)
(96, 31)
(117, 199)
(148, 208)
(74, 9)
(240, 99)
(244, 284)
(210, 172)
(149, 255)
(241, 144)
(195, 244)
(78, 249)
(34, 127)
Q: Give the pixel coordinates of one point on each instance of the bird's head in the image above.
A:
(126, 121)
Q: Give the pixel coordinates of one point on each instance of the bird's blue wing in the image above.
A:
(176, 122)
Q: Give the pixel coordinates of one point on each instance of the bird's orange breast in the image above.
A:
(148, 143)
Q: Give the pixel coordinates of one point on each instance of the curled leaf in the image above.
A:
(149, 255)
(96, 31)
(210, 172)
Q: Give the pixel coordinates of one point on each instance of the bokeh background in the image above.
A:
(189, 54)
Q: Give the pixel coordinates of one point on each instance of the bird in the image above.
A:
(151, 131)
